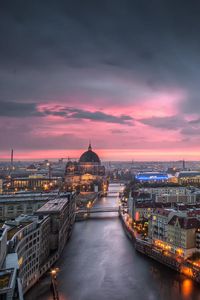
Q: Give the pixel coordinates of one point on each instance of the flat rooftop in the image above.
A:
(9, 198)
(53, 206)
(5, 279)
(12, 231)
(13, 226)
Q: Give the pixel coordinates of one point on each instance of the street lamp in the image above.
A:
(54, 283)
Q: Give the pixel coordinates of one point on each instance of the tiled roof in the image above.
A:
(185, 223)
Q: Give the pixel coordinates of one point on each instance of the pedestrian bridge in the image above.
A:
(113, 194)
(97, 210)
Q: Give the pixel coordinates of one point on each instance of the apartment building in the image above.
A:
(38, 240)
(182, 235)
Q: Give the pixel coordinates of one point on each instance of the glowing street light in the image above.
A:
(54, 283)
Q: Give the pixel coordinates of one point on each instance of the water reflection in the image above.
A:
(100, 263)
(187, 288)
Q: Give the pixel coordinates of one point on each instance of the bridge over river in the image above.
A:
(102, 205)
(94, 210)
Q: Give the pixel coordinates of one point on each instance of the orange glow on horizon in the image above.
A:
(106, 154)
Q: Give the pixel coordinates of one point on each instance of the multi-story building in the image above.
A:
(170, 194)
(142, 211)
(13, 205)
(166, 198)
(174, 230)
(152, 177)
(158, 224)
(62, 214)
(37, 240)
(25, 239)
(33, 183)
(10, 288)
(182, 235)
(3, 245)
(166, 190)
(189, 177)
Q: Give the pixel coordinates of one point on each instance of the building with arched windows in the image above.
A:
(87, 174)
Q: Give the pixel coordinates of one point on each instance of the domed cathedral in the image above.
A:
(90, 163)
(87, 174)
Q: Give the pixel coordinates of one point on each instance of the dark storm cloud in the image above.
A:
(73, 113)
(88, 55)
(17, 109)
(190, 131)
(170, 123)
(196, 121)
(41, 40)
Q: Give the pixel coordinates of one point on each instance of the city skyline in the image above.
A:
(99, 149)
(123, 74)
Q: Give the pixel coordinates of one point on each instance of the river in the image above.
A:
(100, 263)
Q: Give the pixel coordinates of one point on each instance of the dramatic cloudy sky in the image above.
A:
(123, 73)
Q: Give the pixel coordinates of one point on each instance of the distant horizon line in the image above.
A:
(104, 154)
(102, 160)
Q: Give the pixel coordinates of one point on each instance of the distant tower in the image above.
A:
(183, 164)
(11, 158)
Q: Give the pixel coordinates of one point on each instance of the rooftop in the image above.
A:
(53, 206)
(89, 156)
(9, 198)
(13, 226)
(189, 174)
(13, 230)
(163, 211)
(5, 278)
(185, 223)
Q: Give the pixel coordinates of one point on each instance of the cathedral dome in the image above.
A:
(89, 156)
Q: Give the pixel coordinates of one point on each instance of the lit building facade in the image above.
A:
(189, 177)
(152, 177)
(32, 183)
(174, 231)
(182, 235)
(87, 175)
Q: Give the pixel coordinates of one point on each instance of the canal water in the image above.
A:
(100, 263)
